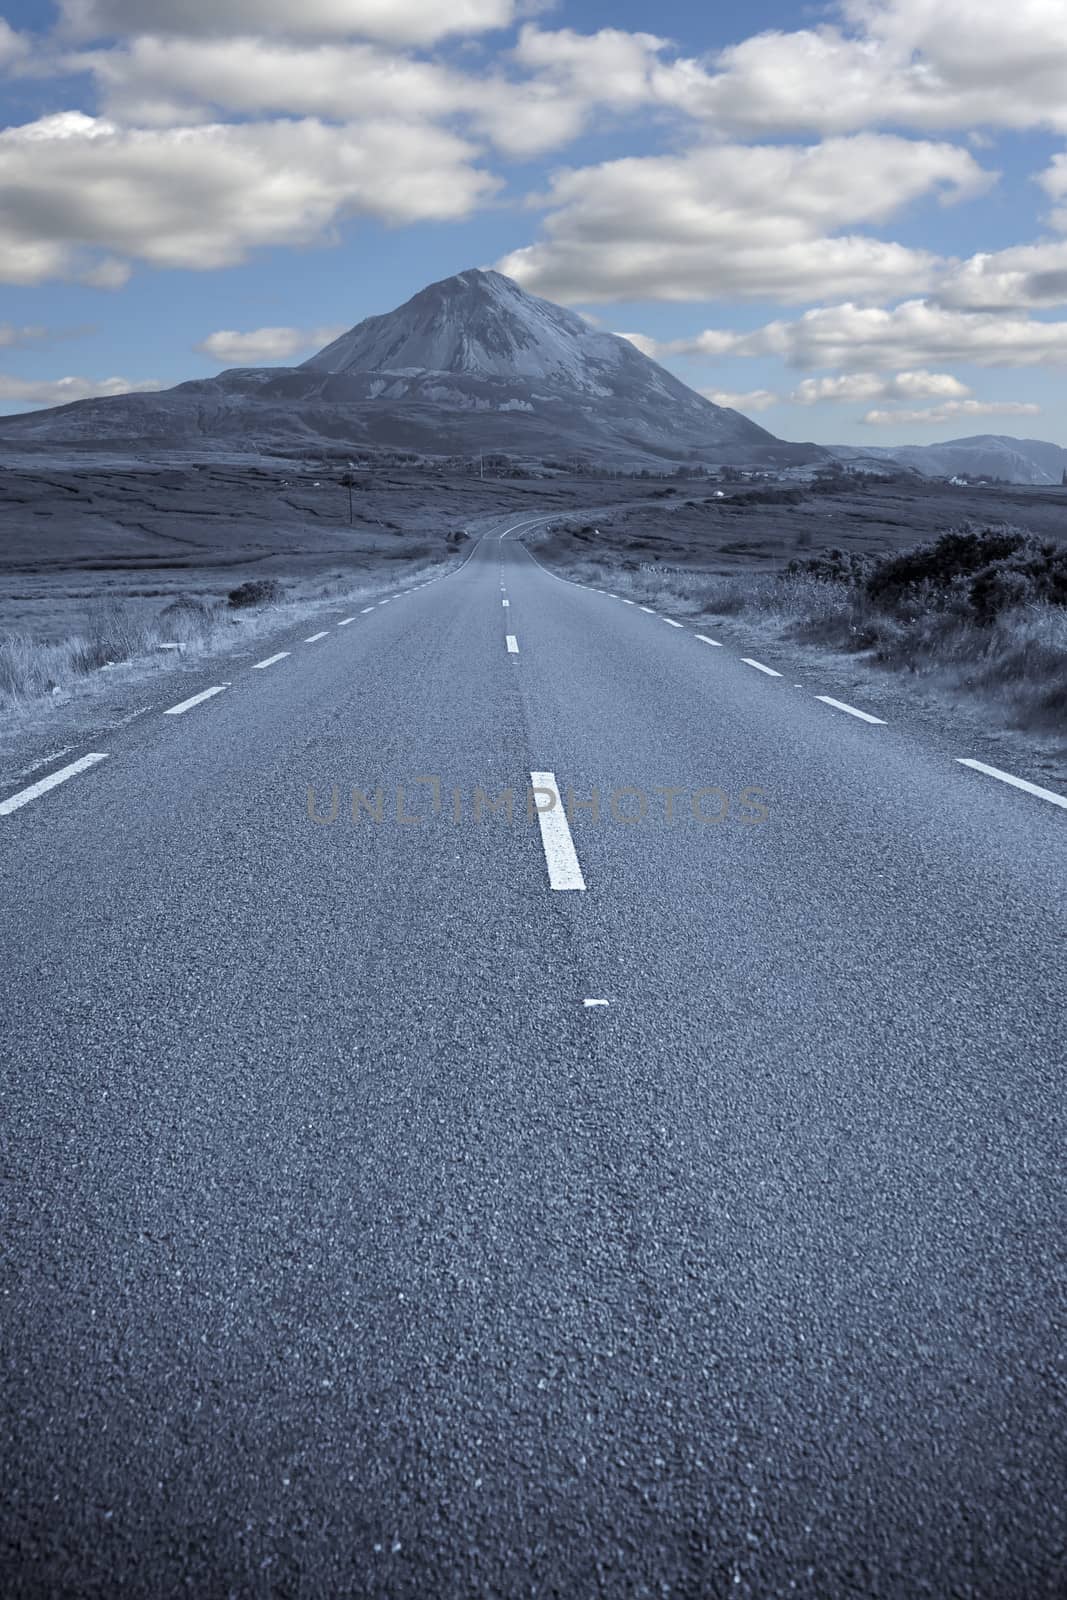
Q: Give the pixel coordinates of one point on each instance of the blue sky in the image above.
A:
(849, 221)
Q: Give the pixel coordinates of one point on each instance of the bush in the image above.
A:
(984, 571)
(185, 618)
(256, 592)
(768, 497)
(112, 634)
(832, 566)
(27, 669)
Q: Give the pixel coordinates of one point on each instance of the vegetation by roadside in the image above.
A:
(34, 673)
(980, 610)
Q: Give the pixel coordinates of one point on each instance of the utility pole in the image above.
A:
(348, 481)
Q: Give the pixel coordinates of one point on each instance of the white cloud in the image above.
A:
(13, 46)
(920, 64)
(647, 346)
(265, 345)
(847, 388)
(1054, 182)
(874, 338)
(744, 222)
(60, 391)
(859, 386)
(405, 22)
(204, 197)
(951, 411)
(106, 274)
(612, 67)
(12, 337)
(750, 400)
(916, 64)
(1020, 278)
(156, 82)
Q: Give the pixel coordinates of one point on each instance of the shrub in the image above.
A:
(256, 592)
(832, 566)
(185, 618)
(982, 570)
(112, 634)
(768, 497)
(27, 669)
(1001, 587)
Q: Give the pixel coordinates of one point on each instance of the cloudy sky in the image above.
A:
(848, 220)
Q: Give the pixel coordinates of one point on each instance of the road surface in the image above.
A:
(557, 1207)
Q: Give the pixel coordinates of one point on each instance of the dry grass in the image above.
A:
(116, 633)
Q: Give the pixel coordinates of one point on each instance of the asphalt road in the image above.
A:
(350, 1252)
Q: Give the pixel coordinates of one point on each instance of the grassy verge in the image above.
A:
(34, 674)
(980, 611)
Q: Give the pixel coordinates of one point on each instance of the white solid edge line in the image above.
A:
(194, 700)
(1005, 777)
(315, 637)
(257, 666)
(648, 609)
(513, 645)
(561, 858)
(671, 622)
(24, 796)
(760, 667)
(705, 640)
(839, 705)
(345, 622)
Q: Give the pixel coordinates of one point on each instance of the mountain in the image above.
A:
(986, 455)
(470, 364)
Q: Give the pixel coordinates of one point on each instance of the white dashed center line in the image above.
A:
(760, 667)
(315, 637)
(705, 640)
(194, 700)
(345, 622)
(513, 645)
(1005, 777)
(257, 666)
(596, 1002)
(363, 613)
(648, 609)
(505, 602)
(561, 858)
(839, 705)
(671, 623)
(624, 600)
(24, 796)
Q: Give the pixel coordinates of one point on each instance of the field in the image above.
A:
(760, 528)
(145, 534)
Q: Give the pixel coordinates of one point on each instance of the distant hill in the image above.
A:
(470, 364)
(986, 455)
